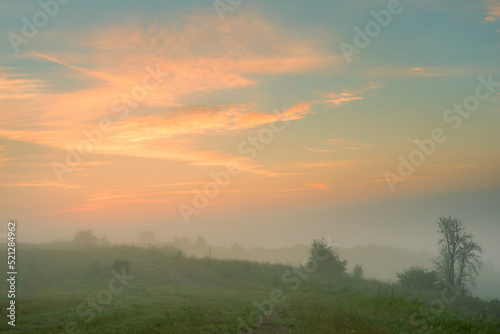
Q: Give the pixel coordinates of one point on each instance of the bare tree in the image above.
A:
(459, 260)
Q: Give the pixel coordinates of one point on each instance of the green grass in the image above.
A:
(174, 294)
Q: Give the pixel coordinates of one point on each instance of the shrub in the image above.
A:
(325, 259)
(418, 278)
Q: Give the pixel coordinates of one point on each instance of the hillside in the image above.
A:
(380, 262)
(76, 291)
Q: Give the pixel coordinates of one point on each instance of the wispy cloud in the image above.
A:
(336, 163)
(119, 197)
(203, 120)
(319, 150)
(493, 9)
(337, 99)
(145, 136)
(405, 139)
(319, 186)
(16, 86)
(96, 163)
(201, 56)
(119, 81)
(429, 72)
(42, 183)
(413, 72)
(347, 144)
(3, 155)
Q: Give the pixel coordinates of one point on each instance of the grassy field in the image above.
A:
(77, 291)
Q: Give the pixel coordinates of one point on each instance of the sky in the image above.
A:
(258, 122)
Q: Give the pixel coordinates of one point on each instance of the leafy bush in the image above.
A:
(324, 259)
(418, 278)
(85, 239)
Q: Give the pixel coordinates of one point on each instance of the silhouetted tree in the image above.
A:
(325, 258)
(357, 272)
(85, 238)
(418, 278)
(459, 260)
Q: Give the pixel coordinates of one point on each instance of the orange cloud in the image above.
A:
(337, 99)
(163, 136)
(319, 186)
(3, 157)
(317, 150)
(202, 120)
(42, 183)
(201, 56)
(15, 86)
(123, 82)
(493, 8)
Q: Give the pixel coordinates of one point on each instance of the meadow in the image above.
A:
(72, 290)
